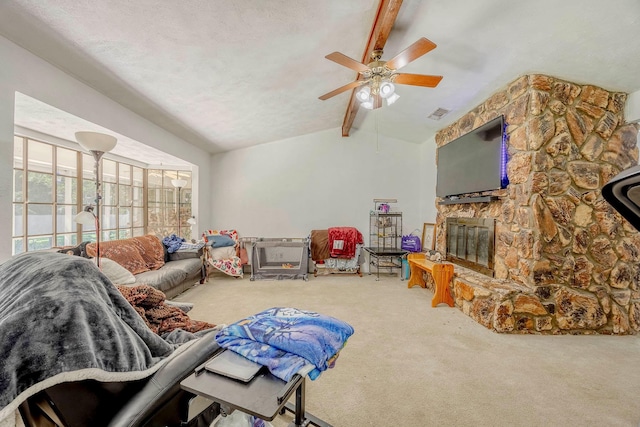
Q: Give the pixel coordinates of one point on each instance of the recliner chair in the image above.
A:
(623, 193)
(156, 400)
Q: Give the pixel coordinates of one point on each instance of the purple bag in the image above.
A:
(411, 243)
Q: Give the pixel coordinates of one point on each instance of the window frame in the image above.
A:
(136, 184)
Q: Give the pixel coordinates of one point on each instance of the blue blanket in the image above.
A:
(172, 243)
(288, 341)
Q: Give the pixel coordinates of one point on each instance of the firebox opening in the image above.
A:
(470, 243)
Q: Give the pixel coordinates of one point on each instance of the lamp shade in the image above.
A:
(387, 89)
(85, 218)
(178, 183)
(393, 98)
(94, 141)
(364, 94)
(368, 105)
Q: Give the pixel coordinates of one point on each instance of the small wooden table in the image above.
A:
(442, 274)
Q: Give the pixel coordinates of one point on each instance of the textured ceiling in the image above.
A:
(230, 74)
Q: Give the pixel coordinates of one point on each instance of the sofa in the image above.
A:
(144, 260)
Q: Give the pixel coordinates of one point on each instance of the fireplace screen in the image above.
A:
(470, 242)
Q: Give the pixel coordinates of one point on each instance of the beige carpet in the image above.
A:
(412, 365)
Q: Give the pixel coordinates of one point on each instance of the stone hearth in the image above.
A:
(565, 260)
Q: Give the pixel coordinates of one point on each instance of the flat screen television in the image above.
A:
(473, 163)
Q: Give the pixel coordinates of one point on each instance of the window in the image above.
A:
(167, 203)
(52, 184)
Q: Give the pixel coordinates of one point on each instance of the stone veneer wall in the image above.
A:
(566, 261)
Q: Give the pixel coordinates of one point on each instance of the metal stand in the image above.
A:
(302, 418)
(265, 396)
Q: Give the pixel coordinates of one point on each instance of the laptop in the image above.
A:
(232, 365)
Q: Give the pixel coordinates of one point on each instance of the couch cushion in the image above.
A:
(125, 252)
(151, 250)
(222, 253)
(185, 254)
(162, 279)
(191, 266)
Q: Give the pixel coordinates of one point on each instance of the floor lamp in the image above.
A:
(97, 144)
(179, 183)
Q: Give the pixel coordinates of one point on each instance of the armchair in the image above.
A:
(222, 251)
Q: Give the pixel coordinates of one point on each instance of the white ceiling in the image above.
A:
(227, 74)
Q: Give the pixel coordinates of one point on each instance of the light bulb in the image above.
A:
(364, 94)
(386, 89)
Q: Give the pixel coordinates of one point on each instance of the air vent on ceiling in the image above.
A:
(438, 114)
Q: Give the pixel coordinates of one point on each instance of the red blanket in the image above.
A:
(343, 241)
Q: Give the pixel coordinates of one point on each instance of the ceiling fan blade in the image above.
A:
(347, 62)
(414, 51)
(417, 79)
(342, 89)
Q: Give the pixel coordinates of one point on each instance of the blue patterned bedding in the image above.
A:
(288, 341)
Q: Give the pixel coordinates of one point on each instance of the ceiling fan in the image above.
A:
(379, 76)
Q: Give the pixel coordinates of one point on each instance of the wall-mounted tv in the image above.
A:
(475, 162)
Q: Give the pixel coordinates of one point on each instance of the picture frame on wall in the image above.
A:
(428, 236)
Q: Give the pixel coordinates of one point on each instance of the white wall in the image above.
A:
(632, 108)
(23, 72)
(287, 188)
(428, 175)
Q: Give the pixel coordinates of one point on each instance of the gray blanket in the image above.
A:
(62, 320)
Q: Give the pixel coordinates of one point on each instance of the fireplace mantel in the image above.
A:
(460, 200)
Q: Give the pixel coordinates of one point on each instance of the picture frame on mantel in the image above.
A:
(428, 236)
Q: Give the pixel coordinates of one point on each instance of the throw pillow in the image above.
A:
(116, 273)
(124, 252)
(220, 241)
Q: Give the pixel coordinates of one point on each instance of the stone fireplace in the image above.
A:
(470, 242)
(564, 260)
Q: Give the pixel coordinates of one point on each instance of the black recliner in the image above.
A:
(156, 400)
(623, 193)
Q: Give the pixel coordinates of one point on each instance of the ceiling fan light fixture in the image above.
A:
(368, 105)
(387, 89)
(393, 98)
(364, 94)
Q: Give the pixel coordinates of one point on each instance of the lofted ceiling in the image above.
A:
(224, 75)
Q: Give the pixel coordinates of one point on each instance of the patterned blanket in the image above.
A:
(62, 320)
(231, 265)
(158, 316)
(343, 241)
(288, 341)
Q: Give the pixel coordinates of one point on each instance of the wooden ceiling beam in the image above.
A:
(382, 24)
